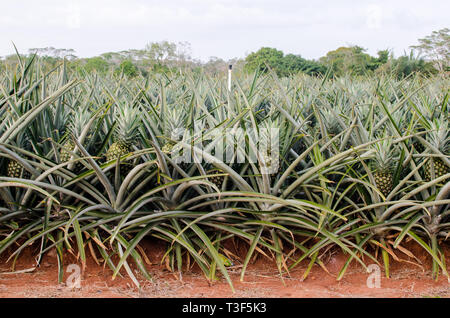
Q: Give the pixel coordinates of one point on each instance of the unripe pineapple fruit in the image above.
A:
(66, 154)
(439, 137)
(167, 147)
(118, 149)
(15, 170)
(383, 165)
(128, 121)
(66, 151)
(439, 167)
(218, 180)
(384, 182)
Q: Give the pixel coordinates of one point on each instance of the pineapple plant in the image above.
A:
(439, 137)
(14, 168)
(271, 142)
(383, 166)
(332, 127)
(331, 123)
(79, 121)
(128, 122)
(172, 127)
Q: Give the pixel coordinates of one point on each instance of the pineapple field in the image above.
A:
(95, 165)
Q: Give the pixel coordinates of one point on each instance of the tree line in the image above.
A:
(430, 56)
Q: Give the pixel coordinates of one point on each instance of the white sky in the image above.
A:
(222, 28)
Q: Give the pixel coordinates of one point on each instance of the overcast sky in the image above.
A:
(222, 28)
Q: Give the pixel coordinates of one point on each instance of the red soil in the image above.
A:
(261, 279)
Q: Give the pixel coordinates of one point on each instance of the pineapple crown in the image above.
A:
(276, 132)
(439, 135)
(22, 139)
(174, 118)
(79, 121)
(62, 116)
(128, 122)
(330, 121)
(385, 153)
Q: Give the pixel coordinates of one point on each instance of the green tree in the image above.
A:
(347, 60)
(383, 56)
(376, 62)
(128, 68)
(295, 63)
(409, 64)
(436, 47)
(263, 58)
(166, 55)
(159, 52)
(52, 52)
(96, 64)
(283, 65)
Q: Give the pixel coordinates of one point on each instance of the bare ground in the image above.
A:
(261, 280)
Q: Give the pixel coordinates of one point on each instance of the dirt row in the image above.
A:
(409, 278)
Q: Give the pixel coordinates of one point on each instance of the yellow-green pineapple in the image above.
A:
(383, 166)
(79, 121)
(128, 121)
(439, 137)
(167, 148)
(173, 124)
(66, 151)
(14, 169)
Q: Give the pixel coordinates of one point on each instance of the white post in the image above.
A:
(229, 77)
